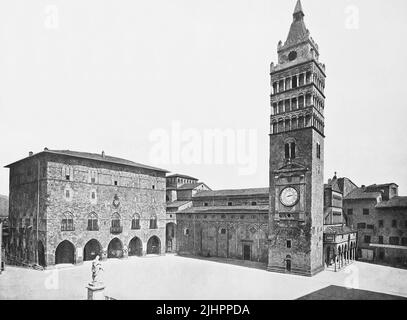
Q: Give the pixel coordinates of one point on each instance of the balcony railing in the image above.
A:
(93, 228)
(116, 230)
(67, 228)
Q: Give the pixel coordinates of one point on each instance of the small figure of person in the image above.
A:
(96, 269)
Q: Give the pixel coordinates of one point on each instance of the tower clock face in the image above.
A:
(292, 55)
(289, 197)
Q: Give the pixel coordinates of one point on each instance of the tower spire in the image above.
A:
(298, 12)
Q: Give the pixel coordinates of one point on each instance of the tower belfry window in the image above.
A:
(292, 150)
(294, 82)
(289, 150)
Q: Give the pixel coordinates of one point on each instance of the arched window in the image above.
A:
(294, 82)
(115, 220)
(67, 222)
(93, 222)
(274, 127)
(135, 222)
(153, 222)
(116, 227)
(289, 150)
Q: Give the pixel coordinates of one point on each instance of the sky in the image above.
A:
(158, 81)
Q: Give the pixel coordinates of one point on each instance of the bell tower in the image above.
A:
(297, 154)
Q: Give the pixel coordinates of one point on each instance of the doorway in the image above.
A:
(288, 265)
(247, 252)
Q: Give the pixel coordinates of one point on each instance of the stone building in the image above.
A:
(3, 229)
(179, 192)
(67, 206)
(380, 216)
(227, 224)
(340, 240)
(297, 154)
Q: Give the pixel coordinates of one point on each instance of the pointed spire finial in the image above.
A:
(298, 12)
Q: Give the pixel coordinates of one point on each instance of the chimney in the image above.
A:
(45, 149)
(363, 186)
(103, 154)
(30, 154)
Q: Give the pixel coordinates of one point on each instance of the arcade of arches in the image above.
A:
(340, 255)
(66, 250)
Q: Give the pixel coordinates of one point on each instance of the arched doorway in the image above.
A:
(328, 256)
(288, 263)
(135, 247)
(92, 249)
(170, 237)
(115, 249)
(41, 254)
(65, 253)
(153, 245)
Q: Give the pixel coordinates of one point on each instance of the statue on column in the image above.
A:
(96, 271)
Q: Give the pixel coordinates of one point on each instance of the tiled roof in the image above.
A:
(382, 185)
(334, 185)
(361, 194)
(182, 176)
(189, 186)
(177, 204)
(97, 157)
(3, 206)
(338, 230)
(396, 202)
(230, 193)
(227, 209)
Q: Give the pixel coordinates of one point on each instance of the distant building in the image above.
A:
(340, 241)
(67, 206)
(380, 216)
(3, 229)
(225, 223)
(179, 192)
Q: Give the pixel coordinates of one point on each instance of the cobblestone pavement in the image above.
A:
(175, 277)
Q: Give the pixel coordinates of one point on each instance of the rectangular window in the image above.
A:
(394, 224)
(404, 241)
(206, 204)
(367, 239)
(380, 239)
(365, 212)
(381, 223)
(230, 204)
(370, 226)
(254, 203)
(350, 212)
(289, 244)
(394, 241)
(115, 182)
(318, 150)
(361, 225)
